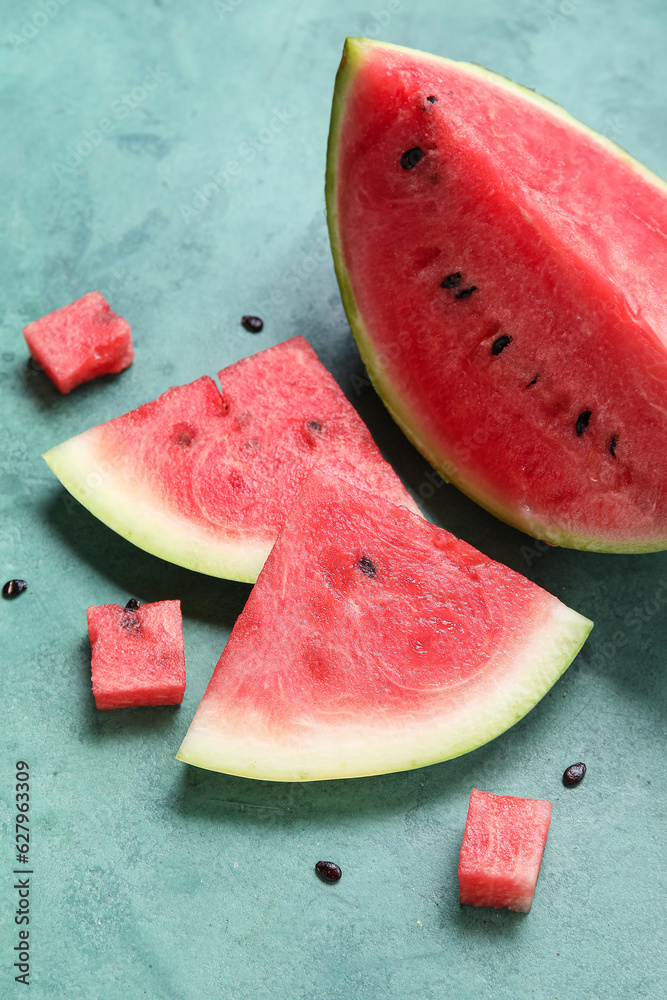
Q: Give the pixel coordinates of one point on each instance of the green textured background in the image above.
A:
(154, 879)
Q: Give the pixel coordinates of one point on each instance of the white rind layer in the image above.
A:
(139, 515)
(371, 747)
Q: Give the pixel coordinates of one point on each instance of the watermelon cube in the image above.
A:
(502, 850)
(137, 654)
(81, 341)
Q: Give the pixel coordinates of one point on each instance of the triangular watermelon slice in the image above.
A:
(504, 271)
(374, 641)
(205, 480)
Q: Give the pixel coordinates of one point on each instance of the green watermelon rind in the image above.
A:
(362, 752)
(353, 59)
(83, 467)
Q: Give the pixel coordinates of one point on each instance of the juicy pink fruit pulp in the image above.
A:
(566, 246)
(370, 636)
(502, 850)
(80, 341)
(236, 460)
(137, 656)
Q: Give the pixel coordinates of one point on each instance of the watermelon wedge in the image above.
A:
(502, 850)
(374, 641)
(504, 272)
(205, 480)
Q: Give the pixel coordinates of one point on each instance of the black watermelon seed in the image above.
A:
(574, 774)
(253, 324)
(612, 445)
(367, 567)
(432, 99)
(533, 380)
(132, 604)
(314, 425)
(328, 871)
(13, 588)
(451, 281)
(465, 292)
(499, 345)
(411, 157)
(582, 421)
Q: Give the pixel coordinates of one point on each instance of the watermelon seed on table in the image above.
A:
(574, 774)
(253, 324)
(328, 871)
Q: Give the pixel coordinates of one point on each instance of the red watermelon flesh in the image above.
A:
(206, 479)
(502, 850)
(374, 641)
(504, 271)
(137, 654)
(81, 341)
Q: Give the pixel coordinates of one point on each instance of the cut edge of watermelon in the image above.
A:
(353, 59)
(556, 642)
(135, 516)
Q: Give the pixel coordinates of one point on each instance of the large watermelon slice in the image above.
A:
(374, 641)
(205, 480)
(504, 271)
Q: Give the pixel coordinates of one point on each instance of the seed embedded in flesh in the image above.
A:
(315, 426)
(367, 567)
(132, 605)
(582, 421)
(13, 588)
(533, 380)
(465, 292)
(499, 345)
(253, 324)
(574, 774)
(411, 157)
(328, 871)
(432, 99)
(612, 445)
(452, 280)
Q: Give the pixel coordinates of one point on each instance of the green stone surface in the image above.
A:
(197, 196)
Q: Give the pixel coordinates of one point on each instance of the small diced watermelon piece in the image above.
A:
(81, 341)
(138, 656)
(502, 850)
